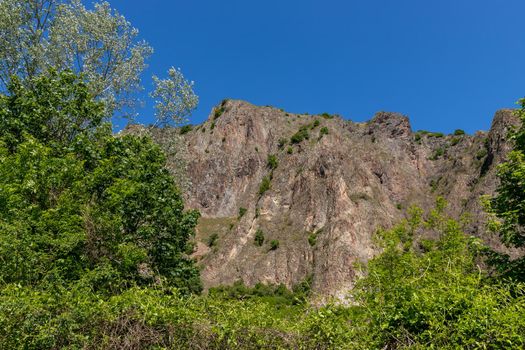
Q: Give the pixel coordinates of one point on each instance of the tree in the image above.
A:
(426, 289)
(175, 98)
(508, 206)
(81, 206)
(36, 35)
(56, 109)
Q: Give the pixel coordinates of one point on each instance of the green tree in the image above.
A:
(508, 206)
(79, 205)
(426, 292)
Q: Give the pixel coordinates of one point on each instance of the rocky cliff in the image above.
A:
(319, 187)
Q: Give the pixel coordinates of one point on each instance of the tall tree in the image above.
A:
(99, 43)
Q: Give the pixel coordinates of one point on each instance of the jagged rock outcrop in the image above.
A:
(329, 192)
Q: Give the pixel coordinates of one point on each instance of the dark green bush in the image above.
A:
(212, 240)
(259, 238)
(274, 244)
(242, 211)
(459, 132)
(300, 135)
(323, 131)
(186, 129)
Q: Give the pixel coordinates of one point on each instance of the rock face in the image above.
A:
(328, 194)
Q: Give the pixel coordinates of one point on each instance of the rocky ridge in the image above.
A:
(320, 186)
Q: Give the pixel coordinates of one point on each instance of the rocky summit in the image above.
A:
(287, 197)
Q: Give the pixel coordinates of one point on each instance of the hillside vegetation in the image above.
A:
(96, 243)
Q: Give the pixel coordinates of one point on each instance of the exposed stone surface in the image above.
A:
(328, 195)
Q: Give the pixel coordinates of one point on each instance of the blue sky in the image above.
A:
(446, 64)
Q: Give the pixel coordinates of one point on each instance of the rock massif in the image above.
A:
(317, 187)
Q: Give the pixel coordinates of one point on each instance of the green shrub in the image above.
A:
(437, 153)
(281, 143)
(274, 244)
(315, 124)
(265, 185)
(435, 297)
(455, 140)
(482, 153)
(459, 132)
(312, 239)
(289, 150)
(327, 116)
(417, 137)
(212, 240)
(186, 129)
(272, 161)
(242, 211)
(300, 135)
(259, 238)
(218, 112)
(322, 132)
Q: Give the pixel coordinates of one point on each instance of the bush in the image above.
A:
(274, 244)
(322, 132)
(315, 124)
(327, 116)
(242, 211)
(482, 153)
(459, 132)
(281, 143)
(259, 238)
(212, 240)
(186, 129)
(437, 153)
(272, 161)
(427, 293)
(218, 112)
(289, 150)
(300, 135)
(312, 239)
(265, 185)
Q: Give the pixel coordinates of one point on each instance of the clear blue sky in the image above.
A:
(446, 64)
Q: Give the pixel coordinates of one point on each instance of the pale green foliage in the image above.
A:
(175, 99)
(432, 293)
(36, 35)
